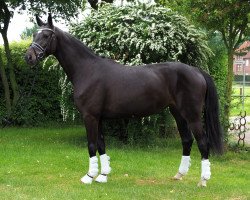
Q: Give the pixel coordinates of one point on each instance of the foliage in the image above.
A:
(59, 8)
(62, 8)
(28, 32)
(37, 103)
(141, 34)
(232, 19)
(218, 70)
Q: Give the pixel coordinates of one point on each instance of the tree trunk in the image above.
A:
(5, 20)
(5, 87)
(10, 66)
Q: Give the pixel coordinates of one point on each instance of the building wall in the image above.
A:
(238, 69)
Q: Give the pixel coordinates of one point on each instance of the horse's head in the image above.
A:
(44, 42)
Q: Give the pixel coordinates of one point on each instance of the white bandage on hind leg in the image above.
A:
(105, 169)
(93, 171)
(205, 170)
(185, 164)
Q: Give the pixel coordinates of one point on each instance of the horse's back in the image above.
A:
(144, 90)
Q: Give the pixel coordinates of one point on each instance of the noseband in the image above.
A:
(42, 50)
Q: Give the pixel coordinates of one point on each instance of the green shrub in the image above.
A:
(218, 70)
(39, 102)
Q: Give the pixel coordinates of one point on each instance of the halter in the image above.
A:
(42, 50)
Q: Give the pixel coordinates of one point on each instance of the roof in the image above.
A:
(245, 45)
(244, 50)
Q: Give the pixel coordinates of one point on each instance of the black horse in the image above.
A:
(105, 89)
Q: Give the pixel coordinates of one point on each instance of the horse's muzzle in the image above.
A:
(30, 57)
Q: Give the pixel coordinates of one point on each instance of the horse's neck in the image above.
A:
(74, 57)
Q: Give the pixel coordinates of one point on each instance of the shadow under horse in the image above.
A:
(105, 89)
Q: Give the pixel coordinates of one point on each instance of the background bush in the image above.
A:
(43, 104)
(218, 70)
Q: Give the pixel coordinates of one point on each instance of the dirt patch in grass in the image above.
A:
(149, 182)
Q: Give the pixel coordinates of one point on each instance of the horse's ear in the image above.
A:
(39, 21)
(50, 22)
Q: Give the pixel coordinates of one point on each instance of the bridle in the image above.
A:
(42, 50)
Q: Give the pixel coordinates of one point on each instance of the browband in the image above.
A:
(45, 29)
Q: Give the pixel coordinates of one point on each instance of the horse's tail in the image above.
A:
(211, 117)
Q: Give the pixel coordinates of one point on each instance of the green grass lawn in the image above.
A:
(236, 105)
(47, 163)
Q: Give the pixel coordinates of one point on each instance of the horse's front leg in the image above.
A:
(91, 124)
(104, 158)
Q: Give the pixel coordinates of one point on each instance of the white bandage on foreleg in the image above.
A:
(93, 170)
(105, 169)
(105, 164)
(185, 164)
(205, 170)
(93, 166)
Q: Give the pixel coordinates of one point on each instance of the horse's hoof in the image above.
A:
(202, 183)
(102, 178)
(86, 179)
(178, 176)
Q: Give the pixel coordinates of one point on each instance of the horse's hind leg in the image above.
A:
(187, 141)
(202, 141)
(104, 158)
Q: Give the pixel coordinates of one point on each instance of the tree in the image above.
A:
(28, 32)
(229, 17)
(65, 9)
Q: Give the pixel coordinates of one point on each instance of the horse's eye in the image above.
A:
(45, 36)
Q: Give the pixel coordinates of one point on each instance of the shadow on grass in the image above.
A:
(76, 136)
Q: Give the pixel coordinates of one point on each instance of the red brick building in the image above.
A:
(238, 69)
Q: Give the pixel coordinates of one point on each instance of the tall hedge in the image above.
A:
(42, 104)
(141, 34)
(218, 70)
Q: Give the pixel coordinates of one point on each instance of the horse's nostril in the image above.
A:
(28, 58)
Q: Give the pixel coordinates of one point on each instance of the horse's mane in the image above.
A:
(78, 44)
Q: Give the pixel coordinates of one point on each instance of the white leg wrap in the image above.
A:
(205, 173)
(183, 168)
(185, 164)
(105, 169)
(93, 171)
(205, 170)
(102, 178)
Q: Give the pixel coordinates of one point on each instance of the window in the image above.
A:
(239, 68)
(247, 62)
